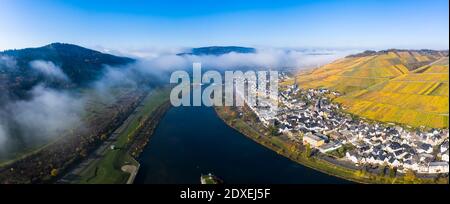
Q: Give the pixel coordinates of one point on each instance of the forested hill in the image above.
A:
(79, 65)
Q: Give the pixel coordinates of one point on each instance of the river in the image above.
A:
(190, 141)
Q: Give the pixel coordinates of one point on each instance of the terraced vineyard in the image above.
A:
(407, 87)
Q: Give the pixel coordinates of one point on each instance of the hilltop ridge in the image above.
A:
(442, 53)
(218, 50)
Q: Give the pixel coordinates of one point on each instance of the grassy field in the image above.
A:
(386, 88)
(107, 169)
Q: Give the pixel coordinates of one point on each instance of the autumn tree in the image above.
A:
(54, 172)
(308, 150)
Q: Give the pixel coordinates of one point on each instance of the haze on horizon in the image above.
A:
(137, 24)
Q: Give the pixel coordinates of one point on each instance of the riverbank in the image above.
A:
(248, 125)
(192, 141)
(49, 163)
(106, 165)
(132, 170)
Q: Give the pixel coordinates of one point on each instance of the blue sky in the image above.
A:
(134, 24)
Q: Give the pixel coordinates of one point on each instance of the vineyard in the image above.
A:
(405, 87)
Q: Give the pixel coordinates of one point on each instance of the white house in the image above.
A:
(445, 156)
(352, 157)
(329, 147)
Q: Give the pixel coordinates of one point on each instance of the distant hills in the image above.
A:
(81, 65)
(218, 50)
(402, 86)
(412, 52)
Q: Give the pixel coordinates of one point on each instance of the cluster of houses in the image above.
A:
(309, 117)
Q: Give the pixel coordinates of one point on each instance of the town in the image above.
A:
(310, 118)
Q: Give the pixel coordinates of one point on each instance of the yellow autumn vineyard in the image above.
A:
(406, 87)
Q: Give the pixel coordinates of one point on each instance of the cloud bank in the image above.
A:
(48, 112)
(7, 62)
(264, 58)
(49, 69)
(46, 115)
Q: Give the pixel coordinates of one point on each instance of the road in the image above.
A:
(97, 155)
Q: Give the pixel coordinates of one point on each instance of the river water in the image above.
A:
(190, 141)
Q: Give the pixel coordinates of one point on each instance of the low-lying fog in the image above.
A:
(49, 111)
